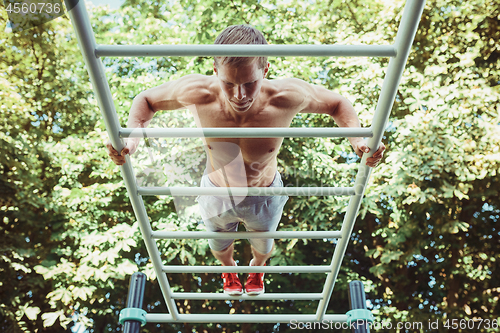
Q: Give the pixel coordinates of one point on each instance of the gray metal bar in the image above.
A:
(91, 51)
(246, 132)
(262, 297)
(245, 50)
(245, 235)
(404, 39)
(95, 68)
(86, 41)
(245, 318)
(246, 191)
(246, 269)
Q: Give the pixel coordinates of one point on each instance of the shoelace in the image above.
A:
(255, 278)
(230, 278)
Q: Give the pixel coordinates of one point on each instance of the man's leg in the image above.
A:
(232, 284)
(218, 216)
(260, 259)
(255, 281)
(225, 256)
(265, 216)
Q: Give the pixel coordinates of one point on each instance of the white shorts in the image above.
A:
(260, 213)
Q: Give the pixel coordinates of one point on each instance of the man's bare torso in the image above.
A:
(244, 161)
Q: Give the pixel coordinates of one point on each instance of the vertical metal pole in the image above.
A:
(86, 41)
(357, 300)
(95, 68)
(135, 300)
(404, 39)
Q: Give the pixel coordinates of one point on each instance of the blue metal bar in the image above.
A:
(245, 50)
(86, 41)
(404, 39)
(135, 300)
(357, 301)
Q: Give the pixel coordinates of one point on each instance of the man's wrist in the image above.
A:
(132, 142)
(354, 140)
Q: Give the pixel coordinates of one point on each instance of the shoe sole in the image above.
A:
(233, 293)
(254, 293)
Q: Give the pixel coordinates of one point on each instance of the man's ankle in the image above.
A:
(233, 263)
(253, 261)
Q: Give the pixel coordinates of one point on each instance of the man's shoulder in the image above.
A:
(196, 80)
(287, 83)
(287, 92)
(288, 87)
(196, 89)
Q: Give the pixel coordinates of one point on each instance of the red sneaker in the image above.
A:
(255, 283)
(232, 284)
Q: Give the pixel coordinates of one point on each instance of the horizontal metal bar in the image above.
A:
(247, 132)
(245, 234)
(234, 50)
(243, 318)
(246, 269)
(262, 297)
(246, 191)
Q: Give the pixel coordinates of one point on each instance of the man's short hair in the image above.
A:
(240, 34)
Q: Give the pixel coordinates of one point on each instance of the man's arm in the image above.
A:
(140, 115)
(168, 96)
(346, 116)
(321, 100)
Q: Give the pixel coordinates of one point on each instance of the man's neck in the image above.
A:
(242, 117)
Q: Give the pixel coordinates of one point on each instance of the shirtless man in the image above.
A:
(239, 95)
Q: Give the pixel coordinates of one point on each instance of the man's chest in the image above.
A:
(252, 149)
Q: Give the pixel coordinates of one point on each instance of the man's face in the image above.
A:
(241, 84)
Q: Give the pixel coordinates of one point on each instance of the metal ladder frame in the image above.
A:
(398, 52)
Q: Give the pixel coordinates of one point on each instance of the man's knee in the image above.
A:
(264, 250)
(220, 245)
(223, 250)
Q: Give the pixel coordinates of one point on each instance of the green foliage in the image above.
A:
(425, 244)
